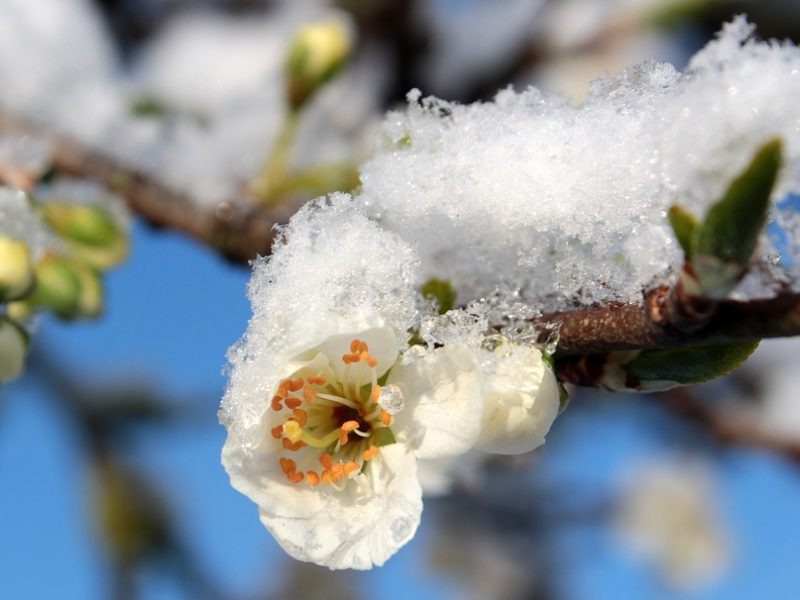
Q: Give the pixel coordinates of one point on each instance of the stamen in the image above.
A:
(312, 478)
(295, 385)
(276, 403)
(386, 418)
(326, 460)
(338, 399)
(309, 394)
(371, 453)
(316, 381)
(277, 432)
(375, 394)
(349, 425)
(293, 402)
(300, 416)
(292, 446)
(350, 467)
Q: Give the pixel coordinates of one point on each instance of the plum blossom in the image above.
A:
(330, 406)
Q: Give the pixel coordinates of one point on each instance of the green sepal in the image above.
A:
(83, 224)
(731, 229)
(689, 365)
(549, 360)
(563, 398)
(684, 225)
(382, 436)
(442, 291)
(58, 287)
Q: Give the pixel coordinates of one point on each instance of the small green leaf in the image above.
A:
(732, 226)
(382, 436)
(689, 365)
(684, 224)
(442, 291)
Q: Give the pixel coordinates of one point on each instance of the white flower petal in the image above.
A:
(355, 528)
(443, 401)
(520, 403)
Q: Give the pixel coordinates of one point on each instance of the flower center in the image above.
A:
(332, 429)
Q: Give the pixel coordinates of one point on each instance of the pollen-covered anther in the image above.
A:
(300, 416)
(386, 418)
(293, 402)
(316, 381)
(276, 403)
(309, 394)
(375, 394)
(292, 446)
(313, 478)
(277, 432)
(371, 453)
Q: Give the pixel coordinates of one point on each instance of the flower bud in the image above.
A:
(16, 269)
(90, 231)
(316, 54)
(68, 287)
(13, 346)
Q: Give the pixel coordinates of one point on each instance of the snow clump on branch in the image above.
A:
(567, 203)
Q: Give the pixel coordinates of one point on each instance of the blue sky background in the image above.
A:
(173, 310)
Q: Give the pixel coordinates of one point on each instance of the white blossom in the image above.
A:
(667, 514)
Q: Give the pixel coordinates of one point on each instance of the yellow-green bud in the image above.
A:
(317, 52)
(68, 287)
(13, 347)
(16, 269)
(90, 231)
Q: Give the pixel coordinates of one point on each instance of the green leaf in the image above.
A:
(732, 226)
(685, 225)
(382, 436)
(442, 291)
(689, 365)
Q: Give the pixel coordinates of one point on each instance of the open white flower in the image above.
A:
(335, 473)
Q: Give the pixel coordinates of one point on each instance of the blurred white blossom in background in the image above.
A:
(668, 513)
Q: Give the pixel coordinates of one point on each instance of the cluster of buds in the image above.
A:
(56, 240)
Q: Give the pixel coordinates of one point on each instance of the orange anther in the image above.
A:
(350, 467)
(276, 403)
(343, 439)
(295, 385)
(349, 426)
(375, 394)
(277, 432)
(316, 381)
(371, 453)
(337, 470)
(309, 395)
(293, 402)
(295, 477)
(354, 345)
(287, 465)
(326, 460)
(365, 356)
(300, 416)
(312, 478)
(327, 478)
(293, 446)
(386, 418)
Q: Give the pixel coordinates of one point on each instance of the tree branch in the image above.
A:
(238, 231)
(664, 320)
